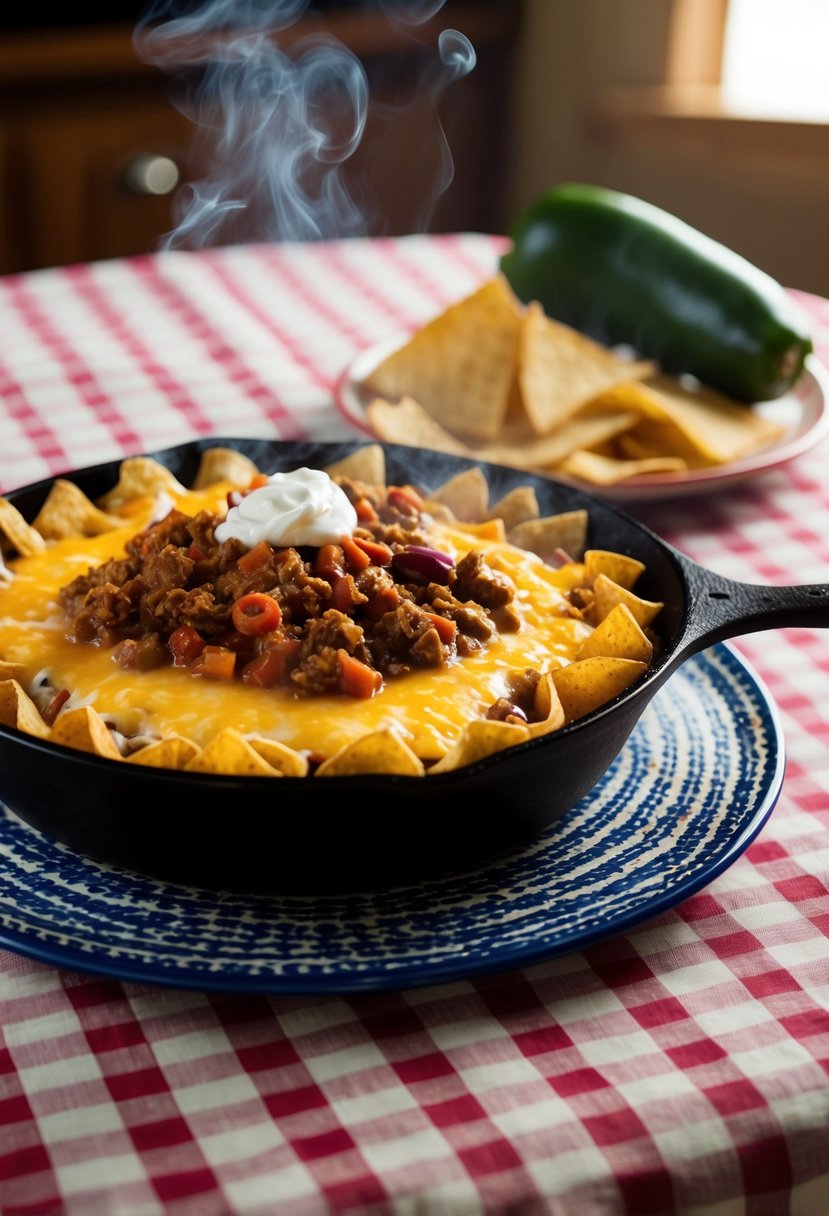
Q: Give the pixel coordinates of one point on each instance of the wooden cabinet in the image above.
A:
(76, 204)
(80, 115)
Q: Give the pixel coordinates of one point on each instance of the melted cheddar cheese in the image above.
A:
(429, 707)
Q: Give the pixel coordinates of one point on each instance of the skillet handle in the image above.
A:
(724, 608)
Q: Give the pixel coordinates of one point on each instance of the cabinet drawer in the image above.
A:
(88, 179)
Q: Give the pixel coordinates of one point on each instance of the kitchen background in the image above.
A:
(641, 95)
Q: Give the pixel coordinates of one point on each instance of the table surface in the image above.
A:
(681, 1067)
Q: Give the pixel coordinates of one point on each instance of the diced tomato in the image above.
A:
(447, 630)
(365, 511)
(379, 554)
(358, 680)
(383, 600)
(344, 594)
(256, 613)
(330, 562)
(255, 557)
(356, 557)
(185, 645)
(195, 554)
(258, 480)
(272, 665)
(215, 662)
(405, 499)
(55, 706)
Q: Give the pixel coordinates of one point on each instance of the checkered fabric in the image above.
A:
(682, 1067)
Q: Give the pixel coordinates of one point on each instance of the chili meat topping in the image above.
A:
(342, 617)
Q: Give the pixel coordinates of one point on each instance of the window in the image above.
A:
(757, 70)
(774, 61)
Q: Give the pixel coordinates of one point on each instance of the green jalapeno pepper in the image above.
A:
(627, 273)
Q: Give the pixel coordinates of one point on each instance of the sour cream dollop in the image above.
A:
(304, 507)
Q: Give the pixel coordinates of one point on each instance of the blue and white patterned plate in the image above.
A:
(692, 788)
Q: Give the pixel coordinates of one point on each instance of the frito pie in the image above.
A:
(309, 622)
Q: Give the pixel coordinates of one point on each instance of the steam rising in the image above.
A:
(276, 125)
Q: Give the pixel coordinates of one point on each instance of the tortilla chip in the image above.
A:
(523, 450)
(617, 636)
(603, 470)
(549, 712)
(461, 365)
(21, 536)
(607, 594)
(84, 729)
(698, 425)
(560, 369)
(408, 423)
(19, 710)
(140, 477)
(367, 464)
(466, 495)
(12, 671)
(588, 683)
(619, 567)
(224, 464)
(516, 507)
(479, 739)
(68, 512)
(231, 755)
(173, 751)
(380, 751)
(289, 762)
(567, 531)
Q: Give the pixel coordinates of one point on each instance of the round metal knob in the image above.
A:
(151, 173)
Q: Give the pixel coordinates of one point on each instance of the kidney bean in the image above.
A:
(422, 565)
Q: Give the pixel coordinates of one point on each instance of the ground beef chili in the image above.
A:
(342, 617)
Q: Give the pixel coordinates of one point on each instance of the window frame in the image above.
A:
(688, 105)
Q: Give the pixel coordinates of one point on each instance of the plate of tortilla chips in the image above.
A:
(491, 379)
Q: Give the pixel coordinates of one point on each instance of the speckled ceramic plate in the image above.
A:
(692, 788)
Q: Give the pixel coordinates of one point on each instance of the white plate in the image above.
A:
(803, 412)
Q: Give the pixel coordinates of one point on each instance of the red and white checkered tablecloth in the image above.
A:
(682, 1067)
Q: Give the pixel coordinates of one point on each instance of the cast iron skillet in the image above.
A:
(257, 833)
